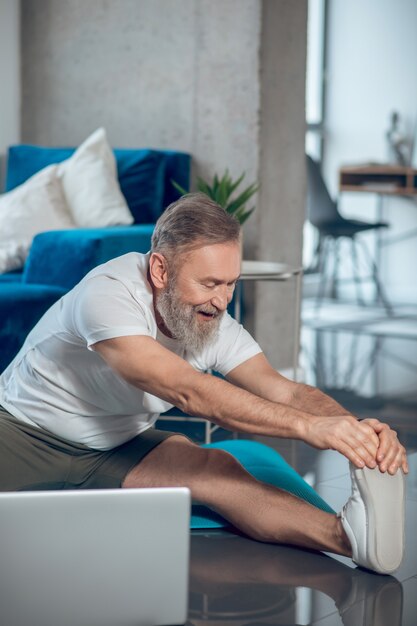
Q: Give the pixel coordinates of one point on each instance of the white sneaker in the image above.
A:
(373, 519)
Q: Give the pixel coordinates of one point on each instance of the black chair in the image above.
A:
(332, 227)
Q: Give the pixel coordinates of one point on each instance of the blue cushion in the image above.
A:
(264, 464)
(11, 277)
(21, 306)
(144, 175)
(62, 258)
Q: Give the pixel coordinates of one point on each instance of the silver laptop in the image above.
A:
(94, 558)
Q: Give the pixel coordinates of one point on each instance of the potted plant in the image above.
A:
(221, 191)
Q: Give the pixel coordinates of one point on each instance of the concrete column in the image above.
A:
(281, 200)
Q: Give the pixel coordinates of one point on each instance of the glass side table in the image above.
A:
(279, 272)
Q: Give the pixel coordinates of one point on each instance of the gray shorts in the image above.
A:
(34, 459)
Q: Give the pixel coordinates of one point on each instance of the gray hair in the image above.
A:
(193, 221)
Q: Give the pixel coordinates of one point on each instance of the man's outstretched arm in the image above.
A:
(147, 365)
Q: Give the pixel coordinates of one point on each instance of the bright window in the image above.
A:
(315, 86)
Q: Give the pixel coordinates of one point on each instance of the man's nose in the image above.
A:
(221, 298)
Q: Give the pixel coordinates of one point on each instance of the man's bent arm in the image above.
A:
(259, 377)
(146, 364)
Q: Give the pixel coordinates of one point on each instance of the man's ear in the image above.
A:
(158, 270)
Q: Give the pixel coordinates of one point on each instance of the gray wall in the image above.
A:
(221, 79)
(160, 73)
(9, 78)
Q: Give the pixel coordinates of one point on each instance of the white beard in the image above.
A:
(182, 321)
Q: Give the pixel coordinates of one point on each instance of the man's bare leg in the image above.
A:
(219, 481)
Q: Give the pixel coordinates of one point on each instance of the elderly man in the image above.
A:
(136, 336)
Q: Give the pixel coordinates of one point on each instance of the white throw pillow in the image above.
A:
(36, 206)
(91, 188)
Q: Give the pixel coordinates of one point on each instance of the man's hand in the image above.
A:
(357, 441)
(367, 443)
(391, 454)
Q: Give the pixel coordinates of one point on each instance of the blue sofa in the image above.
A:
(59, 259)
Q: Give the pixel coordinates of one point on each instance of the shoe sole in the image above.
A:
(385, 522)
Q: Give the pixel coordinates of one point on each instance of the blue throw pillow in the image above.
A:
(141, 176)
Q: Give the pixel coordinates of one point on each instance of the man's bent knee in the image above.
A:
(169, 464)
(178, 462)
(222, 474)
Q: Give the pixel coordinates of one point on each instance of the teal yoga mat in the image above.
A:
(266, 465)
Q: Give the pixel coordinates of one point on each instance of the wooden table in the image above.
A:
(386, 181)
(394, 180)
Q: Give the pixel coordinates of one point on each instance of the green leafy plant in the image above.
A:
(221, 191)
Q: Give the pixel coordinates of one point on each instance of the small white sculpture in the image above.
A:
(398, 142)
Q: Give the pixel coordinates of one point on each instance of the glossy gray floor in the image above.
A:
(236, 581)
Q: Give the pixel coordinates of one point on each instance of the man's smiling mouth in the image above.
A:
(208, 316)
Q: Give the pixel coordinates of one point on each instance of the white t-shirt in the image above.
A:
(58, 383)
